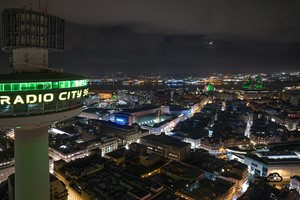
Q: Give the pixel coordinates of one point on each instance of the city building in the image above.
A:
(182, 171)
(219, 145)
(260, 190)
(167, 146)
(265, 132)
(97, 113)
(165, 126)
(256, 95)
(126, 134)
(295, 183)
(144, 115)
(213, 168)
(68, 145)
(235, 172)
(118, 155)
(193, 138)
(207, 189)
(57, 188)
(95, 177)
(285, 163)
(161, 97)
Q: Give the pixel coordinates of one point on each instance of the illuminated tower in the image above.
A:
(34, 96)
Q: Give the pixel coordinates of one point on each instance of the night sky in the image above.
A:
(174, 35)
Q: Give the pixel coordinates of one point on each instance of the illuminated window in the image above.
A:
(23, 86)
(15, 87)
(55, 85)
(7, 87)
(47, 86)
(31, 86)
(67, 84)
(76, 83)
(72, 83)
(64, 84)
(12, 87)
(40, 86)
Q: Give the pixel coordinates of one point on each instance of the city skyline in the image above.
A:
(163, 36)
(158, 112)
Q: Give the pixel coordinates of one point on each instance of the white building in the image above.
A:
(295, 183)
(286, 164)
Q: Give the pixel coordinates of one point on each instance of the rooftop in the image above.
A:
(184, 171)
(144, 108)
(237, 164)
(275, 157)
(296, 177)
(112, 124)
(166, 140)
(210, 189)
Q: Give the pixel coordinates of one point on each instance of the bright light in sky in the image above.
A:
(210, 43)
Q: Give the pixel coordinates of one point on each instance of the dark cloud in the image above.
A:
(165, 35)
(255, 19)
(122, 49)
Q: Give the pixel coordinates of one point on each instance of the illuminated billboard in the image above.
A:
(41, 97)
(121, 120)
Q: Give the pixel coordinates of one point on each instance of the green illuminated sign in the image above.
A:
(210, 88)
(253, 84)
(47, 85)
(42, 97)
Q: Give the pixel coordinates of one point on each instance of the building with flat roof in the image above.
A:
(68, 145)
(124, 133)
(167, 146)
(97, 113)
(141, 115)
(285, 163)
(235, 172)
(95, 177)
(165, 126)
(208, 189)
(295, 183)
(182, 171)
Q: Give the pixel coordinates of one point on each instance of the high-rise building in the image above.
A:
(33, 95)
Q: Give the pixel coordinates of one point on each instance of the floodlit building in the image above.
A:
(295, 183)
(74, 146)
(143, 115)
(165, 126)
(286, 163)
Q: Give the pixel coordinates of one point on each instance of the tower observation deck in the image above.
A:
(33, 95)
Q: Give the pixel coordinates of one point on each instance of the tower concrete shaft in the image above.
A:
(32, 164)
